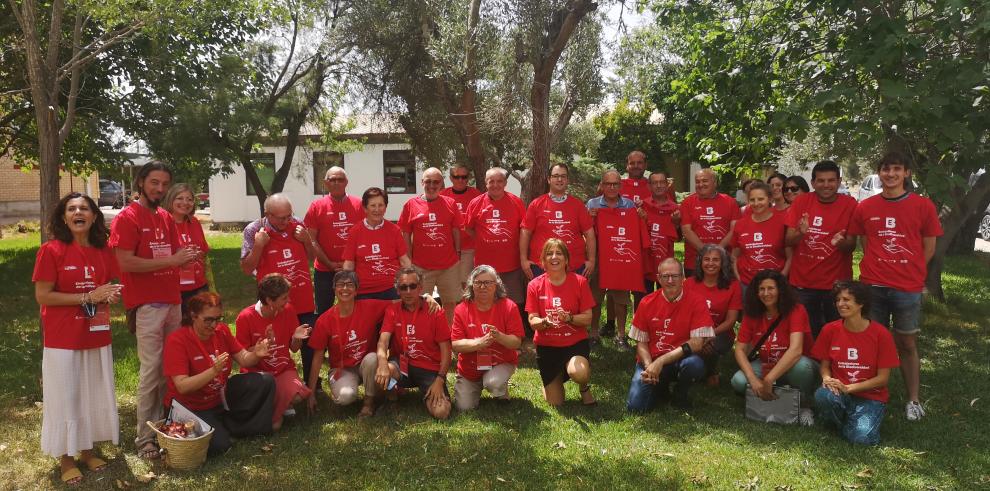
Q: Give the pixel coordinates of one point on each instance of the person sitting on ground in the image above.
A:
(197, 363)
(856, 356)
(783, 352)
(486, 336)
(273, 318)
(715, 282)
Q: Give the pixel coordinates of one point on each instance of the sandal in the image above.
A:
(149, 451)
(95, 464)
(587, 390)
(72, 477)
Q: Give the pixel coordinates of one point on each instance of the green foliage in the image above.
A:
(630, 127)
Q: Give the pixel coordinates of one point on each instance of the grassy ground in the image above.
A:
(524, 443)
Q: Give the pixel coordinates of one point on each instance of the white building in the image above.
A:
(385, 161)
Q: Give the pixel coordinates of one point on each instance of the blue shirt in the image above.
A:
(599, 202)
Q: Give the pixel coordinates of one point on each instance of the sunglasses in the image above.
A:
(791, 189)
(406, 287)
(459, 178)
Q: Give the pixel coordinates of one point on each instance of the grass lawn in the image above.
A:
(525, 444)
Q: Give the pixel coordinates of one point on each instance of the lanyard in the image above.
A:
(342, 333)
(222, 382)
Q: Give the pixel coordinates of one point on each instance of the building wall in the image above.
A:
(19, 189)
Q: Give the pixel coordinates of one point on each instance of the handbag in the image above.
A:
(785, 409)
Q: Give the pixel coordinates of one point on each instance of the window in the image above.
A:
(400, 171)
(321, 162)
(264, 165)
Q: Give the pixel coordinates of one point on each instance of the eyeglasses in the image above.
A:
(406, 287)
(791, 189)
(345, 284)
(669, 277)
(484, 283)
(211, 320)
(558, 176)
(459, 177)
(612, 184)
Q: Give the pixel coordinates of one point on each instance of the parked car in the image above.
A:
(203, 199)
(984, 230)
(871, 186)
(111, 194)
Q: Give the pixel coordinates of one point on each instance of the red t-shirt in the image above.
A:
(186, 354)
(761, 245)
(417, 335)
(752, 329)
(348, 339)
(636, 187)
(462, 200)
(148, 234)
(496, 224)
(574, 296)
(333, 221)
(621, 241)
(432, 225)
(468, 321)
(662, 234)
(857, 356)
(376, 255)
(73, 269)
(710, 219)
(719, 301)
(669, 324)
(286, 255)
(816, 263)
(252, 327)
(566, 221)
(894, 255)
(190, 232)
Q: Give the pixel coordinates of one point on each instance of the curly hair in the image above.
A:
(500, 291)
(787, 297)
(59, 230)
(859, 291)
(725, 276)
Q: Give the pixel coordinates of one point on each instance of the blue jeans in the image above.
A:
(897, 310)
(820, 307)
(683, 373)
(802, 376)
(857, 419)
(323, 288)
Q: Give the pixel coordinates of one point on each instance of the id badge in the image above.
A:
(100, 321)
(160, 249)
(187, 275)
(485, 360)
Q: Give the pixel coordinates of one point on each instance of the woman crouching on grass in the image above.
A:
(559, 305)
(196, 365)
(856, 356)
(72, 284)
(274, 319)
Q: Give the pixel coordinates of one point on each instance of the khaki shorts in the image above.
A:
(465, 265)
(618, 297)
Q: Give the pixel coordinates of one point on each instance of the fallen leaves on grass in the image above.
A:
(752, 485)
(559, 445)
(866, 473)
(500, 479)
(123, 484)
(267, 447)
(146, 478)
(850, 486)
(783, 487)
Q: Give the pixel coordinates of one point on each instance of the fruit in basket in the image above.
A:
(178, 429)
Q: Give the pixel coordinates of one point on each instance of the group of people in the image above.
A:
(504, 272)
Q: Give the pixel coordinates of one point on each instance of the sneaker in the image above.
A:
(289, 412)
(807, 417)
(593, 343)
(914, 411)
(622, 344)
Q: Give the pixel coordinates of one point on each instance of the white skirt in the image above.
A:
(80, 407)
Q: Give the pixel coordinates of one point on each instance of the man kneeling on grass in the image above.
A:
(669, 326)
(416, 343)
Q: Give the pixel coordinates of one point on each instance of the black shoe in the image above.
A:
(608, 329)
(593, 343)
(622, 344)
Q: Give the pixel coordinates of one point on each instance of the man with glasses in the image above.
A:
(431, 227)
(617, 243)
(561, 216)
(462, 194)
(416, 344)
(707, 217)
(329, 220)
(669, 326)
(493, 219)
(280, 243)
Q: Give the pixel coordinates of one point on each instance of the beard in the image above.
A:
(153, 203)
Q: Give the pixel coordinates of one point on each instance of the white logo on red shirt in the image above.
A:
(558, 214)
(757, 236)
(555, 301)
(852, 354)
(410, 329)
(375, 248)
(622, 230)
(817, 222)
(496, 213)
(88, 272)
(710, 210)
(432, 217)
(656, 227)
(342, 215)
(287, 253)
(890, 222)
(459, 206)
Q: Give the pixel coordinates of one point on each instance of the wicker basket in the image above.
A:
(182, 453)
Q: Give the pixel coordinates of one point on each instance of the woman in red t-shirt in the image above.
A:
(715, 282)
(376, 249)
(559, 305)
(783, 353)
(180, 202)
(486, 334)
(196, 363)
(274, 319)
(72, 284)
(758, 238)
(856, 356)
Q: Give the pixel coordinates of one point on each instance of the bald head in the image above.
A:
(335, 182)
(278, 211)
(432, 183)
(705, 183)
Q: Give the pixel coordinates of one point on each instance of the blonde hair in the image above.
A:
(174, 191)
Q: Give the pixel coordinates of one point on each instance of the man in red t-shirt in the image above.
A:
(707, 217)
(898, 230)
(663, 223)
(462, 194)
(670, 325)
(493, 220)
(416, 343)
(561, 216)
(329, 221)
(817, 225)
(146, 246)
(280, 243)
(635, 187)
(431, 226)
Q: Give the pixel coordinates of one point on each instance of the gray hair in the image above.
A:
(669, 260)
(344, 275)
(725, 275)
(276, 199)
(334, 169)
(407, 270)
(500, 291)
(493, 170)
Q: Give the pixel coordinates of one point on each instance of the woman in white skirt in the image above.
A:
(71, 277)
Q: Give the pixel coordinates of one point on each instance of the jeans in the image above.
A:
(683, 373)
(323, 288)
(856, 418)
(820, 307)
(897, 310)
(802, 376)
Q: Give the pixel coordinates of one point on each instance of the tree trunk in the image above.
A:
(953, 223)
(536, 180)
(252, 176)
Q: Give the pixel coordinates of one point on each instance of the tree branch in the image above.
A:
(73, 95)
(87, 53)
(54, 37)
(288, 59)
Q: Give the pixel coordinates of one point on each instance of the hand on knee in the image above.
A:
(440, 410)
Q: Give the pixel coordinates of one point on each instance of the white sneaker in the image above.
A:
(807, 417)
(289, 412)
(914, 411)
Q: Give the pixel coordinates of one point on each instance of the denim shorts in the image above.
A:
(897, 310)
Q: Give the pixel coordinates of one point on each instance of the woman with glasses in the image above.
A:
(181, 204)
(559, 305)
(758, 238)
(776, 183)
(71, 277)
(274, 319)
(714, 281)
(486, 334)
(196, 364)
(794, 186)
(376, 249)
